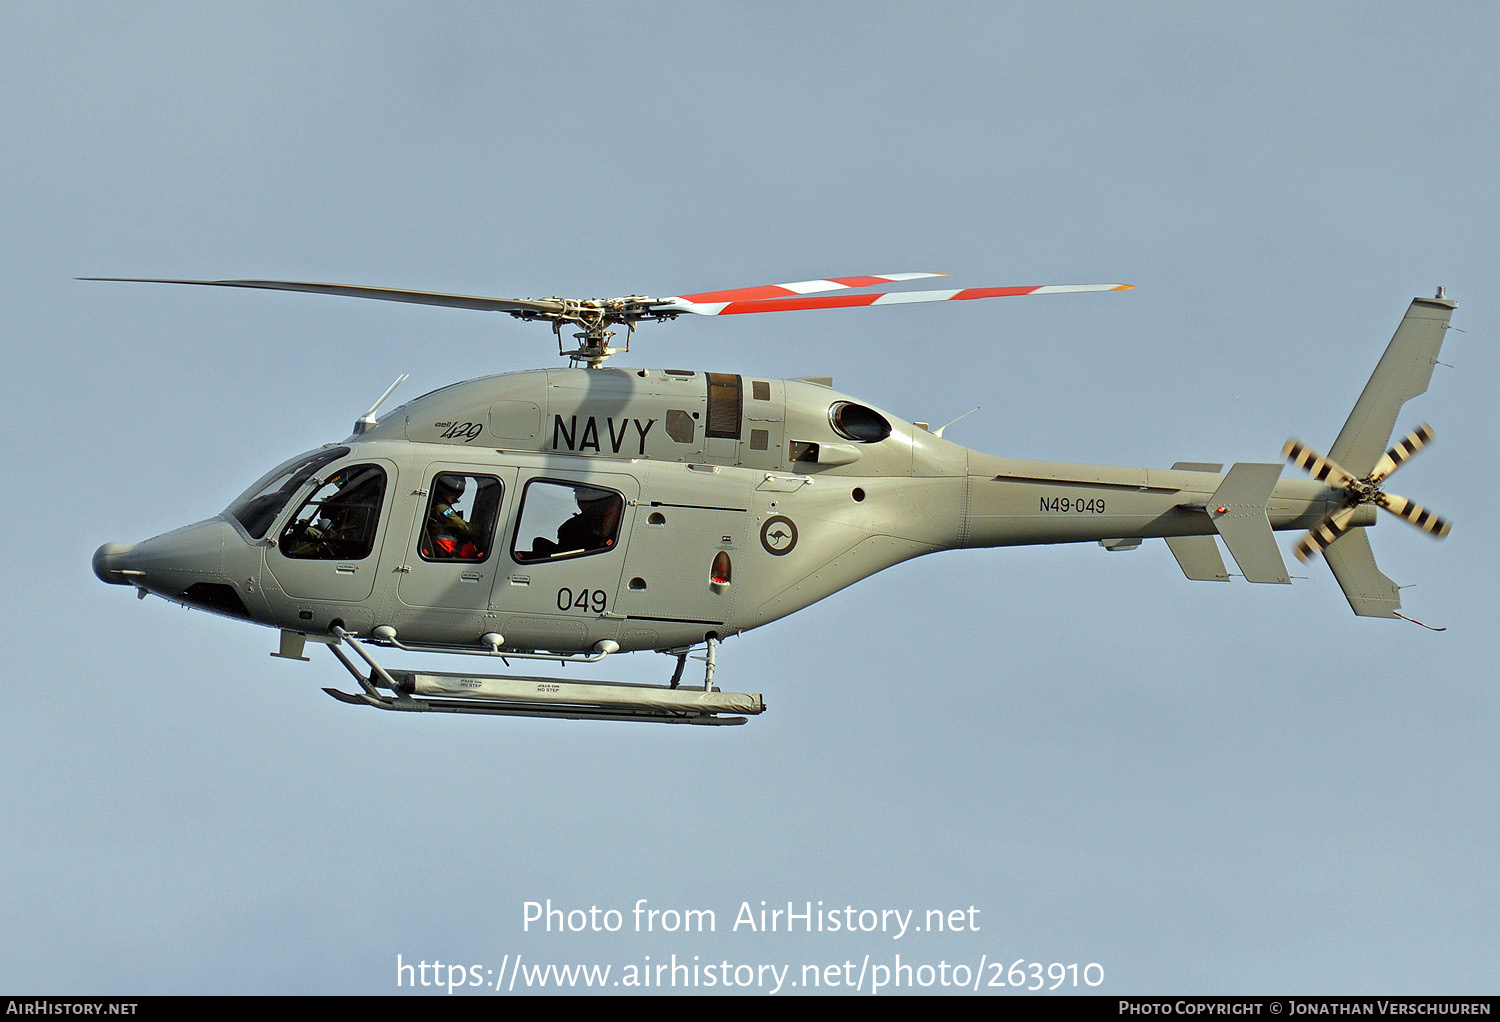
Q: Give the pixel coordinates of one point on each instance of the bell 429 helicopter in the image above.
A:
(569, 514)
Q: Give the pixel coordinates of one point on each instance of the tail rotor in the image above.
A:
(1359, 491)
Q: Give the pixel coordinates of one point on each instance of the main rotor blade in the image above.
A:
(1322, 535)
(384, 294)
(1321, 468)
(1396, 456)
(736, 307)
(1414, 513)
(799, 287)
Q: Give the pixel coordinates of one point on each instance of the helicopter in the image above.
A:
(570, 514)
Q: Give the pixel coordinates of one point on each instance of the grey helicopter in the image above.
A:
(567, 515)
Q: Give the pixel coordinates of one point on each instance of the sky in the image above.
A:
(1070, 756)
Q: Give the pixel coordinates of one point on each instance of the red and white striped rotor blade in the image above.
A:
(798, 287)
(732, 308)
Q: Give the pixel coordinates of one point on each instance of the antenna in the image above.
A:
(939, 431)
(367, 420)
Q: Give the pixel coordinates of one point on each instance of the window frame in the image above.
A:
(610, 541)
(488, 534)
(371, 530)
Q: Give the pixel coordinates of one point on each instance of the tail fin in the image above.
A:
(1358, 462)
(1369, 592)
(1404, 372)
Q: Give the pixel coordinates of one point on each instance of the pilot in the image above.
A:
(449, 536)
(322, 535)
(589, 529)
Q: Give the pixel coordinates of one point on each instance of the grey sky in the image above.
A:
(1205, 788)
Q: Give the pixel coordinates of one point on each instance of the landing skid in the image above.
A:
(524, 696)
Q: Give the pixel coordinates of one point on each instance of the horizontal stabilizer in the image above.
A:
(1198, 557)
(1238, 510)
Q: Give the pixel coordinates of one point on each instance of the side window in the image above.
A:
(559, 520)
(460, 519)
(338, 522)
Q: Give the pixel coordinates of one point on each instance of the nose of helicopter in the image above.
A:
(170, 564)
(112, 561)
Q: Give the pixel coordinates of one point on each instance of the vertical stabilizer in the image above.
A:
(1404, 372)
(1369, 592)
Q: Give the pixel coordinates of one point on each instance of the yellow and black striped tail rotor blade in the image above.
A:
(1414, 513)
(1321, 469)
(1398, 455)
(1323, 534)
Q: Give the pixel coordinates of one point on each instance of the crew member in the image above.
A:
(449, 536)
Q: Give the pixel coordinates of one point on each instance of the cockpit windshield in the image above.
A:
(258, 506)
